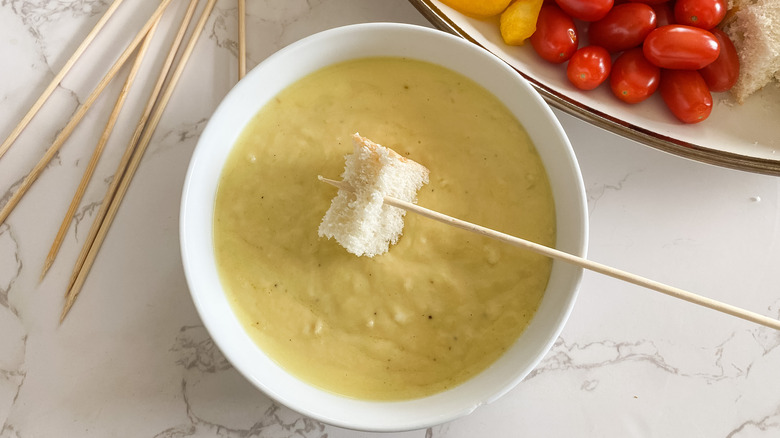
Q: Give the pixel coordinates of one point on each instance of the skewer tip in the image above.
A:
(65, 310)
(338, 184)
(46, 265)
(70, 300)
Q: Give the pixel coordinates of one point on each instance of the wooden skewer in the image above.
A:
(74, 121)
(154, 120)
(131, 146)
(58, 78)
(575, 260)
(241, 39)
(120, 102)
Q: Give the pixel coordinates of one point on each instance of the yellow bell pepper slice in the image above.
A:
(518, 21)
(478, 8)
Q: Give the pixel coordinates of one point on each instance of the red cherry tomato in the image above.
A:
(586, 10)
(664, 14)
(589, 67)
(681, 47)
(633, 77)
(686, 95)
(705, 14)
(555, 38)
(722, 74)
(624, 27)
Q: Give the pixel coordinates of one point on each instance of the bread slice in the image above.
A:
(754, 27)
(359, 220)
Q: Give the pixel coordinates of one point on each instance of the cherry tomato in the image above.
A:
(633, 78)
(664, 14)
(586, 10)
(681, 47)
(722, 74)
(704, 14)
(555, 39)
(686, 95)
(589, 67)
(624, 27)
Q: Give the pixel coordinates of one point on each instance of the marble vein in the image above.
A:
(11, 190)
(594, 194)
(271, 424)
(180, 135)
(299, 13)
(12, 362)
(766, 424)
(197, 351)
(272, 19)
(733, 358)
(9, 431)
(36, 14)
(768, 339)
(12, 265)
(84, 212)
(16, 378)
(597, 354)
(198, 354)
(222, 32)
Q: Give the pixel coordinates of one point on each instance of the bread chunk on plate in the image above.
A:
(754, 27)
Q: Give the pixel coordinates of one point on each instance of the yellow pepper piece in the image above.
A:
(478, 8)
(518, 21)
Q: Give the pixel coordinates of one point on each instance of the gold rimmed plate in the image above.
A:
(744, 137)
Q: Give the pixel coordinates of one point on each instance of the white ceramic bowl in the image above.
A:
(284, 68)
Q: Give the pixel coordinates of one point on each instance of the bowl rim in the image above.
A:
(400, 415)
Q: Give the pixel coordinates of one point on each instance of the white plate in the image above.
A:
(745, 137)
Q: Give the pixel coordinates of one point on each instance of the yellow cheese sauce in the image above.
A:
(442, 304)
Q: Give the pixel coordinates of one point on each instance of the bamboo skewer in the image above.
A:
(575, 260)
(131, 146)
(241, 39)
(133, 165)
(109, 128)
(74, 121)
(58, 78)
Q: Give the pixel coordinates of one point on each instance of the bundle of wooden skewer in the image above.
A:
(158, 99)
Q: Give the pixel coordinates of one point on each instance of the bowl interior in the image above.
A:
(281, 70)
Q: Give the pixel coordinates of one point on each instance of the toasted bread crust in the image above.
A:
(754, 28)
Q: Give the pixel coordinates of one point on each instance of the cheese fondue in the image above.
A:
(442, 304)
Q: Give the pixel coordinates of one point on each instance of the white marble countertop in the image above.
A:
(133, 359)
